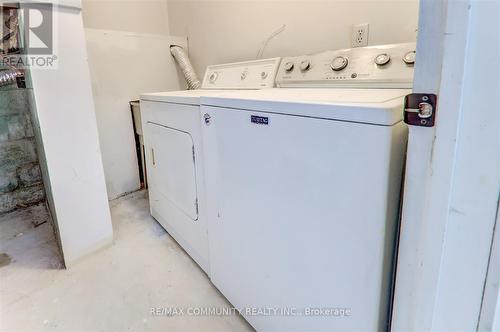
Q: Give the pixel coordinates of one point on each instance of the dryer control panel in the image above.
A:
(255, 74)
(383, 66)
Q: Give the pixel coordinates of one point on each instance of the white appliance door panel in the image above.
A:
(302, 214)
(176, 179)
(173, 170)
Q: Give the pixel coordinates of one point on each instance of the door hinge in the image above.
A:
(420, 109)
(192, 149)
(153, 156)
(196, 205)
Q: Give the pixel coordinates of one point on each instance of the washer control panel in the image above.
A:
(256, 74)
(383, 66)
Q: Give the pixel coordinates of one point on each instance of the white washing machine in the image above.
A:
(174, 157)
(303, 185)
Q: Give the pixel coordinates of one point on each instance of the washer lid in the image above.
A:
(372, 106)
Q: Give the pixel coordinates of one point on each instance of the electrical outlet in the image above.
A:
(359, 35)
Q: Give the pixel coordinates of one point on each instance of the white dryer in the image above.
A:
(174, 152)
(303, 185)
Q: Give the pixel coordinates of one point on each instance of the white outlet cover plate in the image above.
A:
(359, 34)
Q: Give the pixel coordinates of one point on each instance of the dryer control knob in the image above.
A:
(382, 59)
(213, 77)
(409, 57)
(305, 65)
(289, 66)
(339, 63)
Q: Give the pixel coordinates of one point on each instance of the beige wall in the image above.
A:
(128, 53)
(226, 31)
(143, 16)
(117, 78)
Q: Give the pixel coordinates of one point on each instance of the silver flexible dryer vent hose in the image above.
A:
(187, 68)
(9, 76)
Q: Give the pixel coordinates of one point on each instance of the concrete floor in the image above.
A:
(114, 290)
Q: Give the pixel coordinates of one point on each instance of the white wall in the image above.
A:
(226, 31)
(144, 16)
(65, 112)
(128, 49)
(123, 65)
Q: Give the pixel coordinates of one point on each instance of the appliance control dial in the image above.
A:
(289, 66)
(305, 65)
(263, 75)
(339, 63)
(244, 75)
(382, 59)
(213, 77)
(409, 57)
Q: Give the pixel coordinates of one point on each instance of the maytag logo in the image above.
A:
(262, 120)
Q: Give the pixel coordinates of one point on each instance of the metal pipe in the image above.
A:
(9, 76)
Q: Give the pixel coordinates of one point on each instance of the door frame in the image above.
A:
(446, 232)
